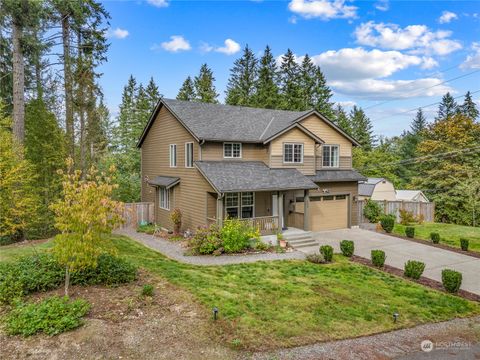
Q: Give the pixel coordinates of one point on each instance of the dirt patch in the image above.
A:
(437, 285)
(122, 324)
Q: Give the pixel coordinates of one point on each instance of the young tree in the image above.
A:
(267, 90)
(469, 108)
(291, 83)
(419, 123)
(153, 95)
(243, 77)
(204, 85)
(362, 128)
(85, 217)
(447, 108)
(187, 91)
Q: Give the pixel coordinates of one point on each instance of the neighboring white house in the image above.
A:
(376, 189)
(411, 195)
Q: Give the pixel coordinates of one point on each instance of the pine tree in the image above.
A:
(362, 128)
(267, 93)
(204, 86)
(447, 108)
(187, 91)
(342, 120)
(126, 116)
(322, 94)
(419, 123)
(243, 77)
(469, 108)
(153, 94)
(290, 83)
(307, 83)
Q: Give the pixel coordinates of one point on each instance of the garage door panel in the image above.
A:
(329, 214)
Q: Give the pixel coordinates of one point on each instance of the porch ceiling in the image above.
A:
(238, 176)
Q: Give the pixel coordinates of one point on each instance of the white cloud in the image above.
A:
(230, 47)
(158, 3)
(416, 38)
(473, 60)
(323, 9)
(177, 43)
(118, 33)
(382, 5)
(446, 17)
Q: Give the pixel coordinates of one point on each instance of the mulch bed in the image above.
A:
(437, 285)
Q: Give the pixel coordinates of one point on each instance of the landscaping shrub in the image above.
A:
(372, 211)
(464, 244)
(206, 240)
(410, 231)
(388, 222)
(39, 273)
(316, 258)
(406, 217)
(451, 280)
(347, 247)
(327, 252)
(176, 217)
(378, 258)
(260, 246)
(414, 269)
(110, 270)
(146, 228)
(11, 288)
(51, 316)
(236, 235)
(147, 290)
(435, 237)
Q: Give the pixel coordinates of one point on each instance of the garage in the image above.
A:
(329, 212)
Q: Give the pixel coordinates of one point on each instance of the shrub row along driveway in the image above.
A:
(399, 251)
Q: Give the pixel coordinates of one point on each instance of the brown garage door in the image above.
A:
(328, 212)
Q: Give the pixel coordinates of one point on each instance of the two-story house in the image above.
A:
(273, 168)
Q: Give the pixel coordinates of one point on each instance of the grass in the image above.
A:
(11, 252)
(450, 234)
(285, 303)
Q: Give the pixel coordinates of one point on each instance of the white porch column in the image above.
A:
(281, 222)
(306, 210)
(219, 210)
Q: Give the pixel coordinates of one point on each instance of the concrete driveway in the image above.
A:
(398, 251)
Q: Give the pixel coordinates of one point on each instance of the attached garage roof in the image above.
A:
(165, 181)
(336, 175)
(237, 176)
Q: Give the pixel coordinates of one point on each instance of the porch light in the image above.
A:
(215, 313)
(395, 316)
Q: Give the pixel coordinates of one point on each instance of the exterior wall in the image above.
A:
(294, 136)
(384, 191)
(331, 137)
(190, 195)
(263, 203)
(341, 188)
(250, 152)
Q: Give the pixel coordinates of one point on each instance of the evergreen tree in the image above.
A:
(152, 93)
(469, 108)
(204, 86)
(243, 77)
(362, 128)
(187, 91)
(342, 120)
(267, 91)
(322, 94)
(126, 116)
(447, 108)
(307, 82)
(291, 83)
(419, 123)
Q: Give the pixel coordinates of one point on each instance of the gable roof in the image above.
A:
(217, 122)
(410, 195)
(365, 189)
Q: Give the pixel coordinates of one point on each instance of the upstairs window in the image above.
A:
(173, 155)
(330, 156)
(232, 150)
(189, 155)
(293, 153)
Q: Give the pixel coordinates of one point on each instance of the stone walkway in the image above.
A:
(174, 251)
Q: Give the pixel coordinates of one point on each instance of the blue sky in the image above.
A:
(386, 56)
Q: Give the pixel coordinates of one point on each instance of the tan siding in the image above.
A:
(263, 203)
(294, 136)
(211, 205)
(190, 195)
(255, 152)
(345, 161)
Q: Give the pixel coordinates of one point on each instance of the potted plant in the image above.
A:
(176, 217)
(281, 241)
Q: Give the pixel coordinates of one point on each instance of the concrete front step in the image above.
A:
(310, 244)
(298, 238)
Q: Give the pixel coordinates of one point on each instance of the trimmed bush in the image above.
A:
(435, 237)
(236, 235)
(410, 232)
(51, 316)
(327, 252)
(464, 244)
(378, 258)
(387, 222)
(316, 258)
(347, 247)
(414, 269)
(451, 280)
(147, 290)
(110, 271)
(372, 211)
(206, 240)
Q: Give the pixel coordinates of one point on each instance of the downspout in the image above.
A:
(200, 143)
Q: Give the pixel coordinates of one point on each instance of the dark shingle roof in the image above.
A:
(167, 181)
(365, 189)
(232, 176)
(337, 175)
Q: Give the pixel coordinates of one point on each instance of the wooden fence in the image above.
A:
(135, 214)
(394, 207)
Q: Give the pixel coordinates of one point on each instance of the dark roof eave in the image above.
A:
(270, 189)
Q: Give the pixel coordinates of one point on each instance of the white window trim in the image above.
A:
(240, 205)
(293, 153)
(173, 146)
(167, 194)
(338, 156)
(186, 155)
(232, 157)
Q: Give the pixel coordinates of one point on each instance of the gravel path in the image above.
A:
(176, 252)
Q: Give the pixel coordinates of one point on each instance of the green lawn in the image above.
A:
(450, 234)
(10, 252)
(284, 303)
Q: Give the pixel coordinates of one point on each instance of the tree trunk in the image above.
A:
(67, 279)
(18, 85)
(67, 70)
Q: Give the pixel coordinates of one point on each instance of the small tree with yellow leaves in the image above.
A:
(85, 216)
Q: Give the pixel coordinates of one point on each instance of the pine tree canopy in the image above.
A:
(242, 81)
